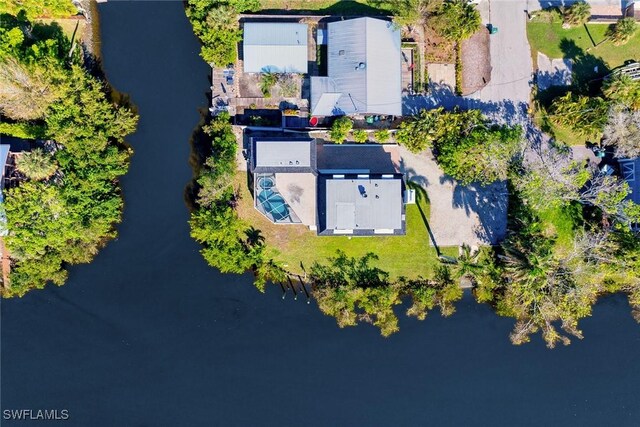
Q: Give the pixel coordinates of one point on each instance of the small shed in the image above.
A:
(275, 47)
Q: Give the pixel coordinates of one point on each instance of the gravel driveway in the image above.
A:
(473, 214)
(506, 97)
(460, 214)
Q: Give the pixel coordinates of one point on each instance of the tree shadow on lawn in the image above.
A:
(423, 197)
(588, 69)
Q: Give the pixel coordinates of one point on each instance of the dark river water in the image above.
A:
(148, 335)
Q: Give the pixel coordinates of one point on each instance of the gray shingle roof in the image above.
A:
(363, 204)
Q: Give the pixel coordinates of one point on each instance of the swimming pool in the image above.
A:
(265, 183)
(273, 204)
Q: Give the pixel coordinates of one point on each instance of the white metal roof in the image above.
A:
(364, 62)
(286, 154)
(275, 47)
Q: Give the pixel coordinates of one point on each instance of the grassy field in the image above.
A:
(410, 255)
(593, 58)
(580, 43)
(323, 7)
(561, 223)
(68, 26)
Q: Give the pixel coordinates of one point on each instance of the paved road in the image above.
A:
(510, 53)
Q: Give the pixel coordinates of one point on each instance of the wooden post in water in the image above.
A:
(284, 291)
(304, 289)
(295, 294)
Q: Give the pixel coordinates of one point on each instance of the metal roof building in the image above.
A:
(283, 155)
(363, 70)
(275, 47)
(360, 205)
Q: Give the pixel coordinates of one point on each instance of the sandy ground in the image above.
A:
(476, 62)
(459, 214)
(442, 74)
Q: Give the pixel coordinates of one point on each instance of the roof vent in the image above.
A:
(361, 66)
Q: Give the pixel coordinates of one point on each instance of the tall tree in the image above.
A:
(457, 20)
(622, 89)
(622, 132)
(585, 115)
(26, 91)
(53, 223)
(37, 164)
(576, 14)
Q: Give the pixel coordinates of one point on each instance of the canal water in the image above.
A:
(148, 335)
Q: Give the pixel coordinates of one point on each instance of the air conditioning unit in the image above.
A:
(409, 197)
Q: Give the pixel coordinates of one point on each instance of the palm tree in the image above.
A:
(577, 14)
(621, 88)
(467, 264)
(267, 82)
(37, 164)
(254, 237)
(622, 31)
(457, 20)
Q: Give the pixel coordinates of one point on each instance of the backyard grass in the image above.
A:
(579, 43)
(68, 26)
(562, 223)
(411, 255)
(322, 7)
(562, 133)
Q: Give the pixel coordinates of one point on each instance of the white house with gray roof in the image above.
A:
(363, 70)
(360, 204)
(276, 47)
(333, 189)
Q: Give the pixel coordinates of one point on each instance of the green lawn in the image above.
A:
(591, 62)
(562, 133)
(322, 7)
(562, 223)
(578, 44)
(410, 255)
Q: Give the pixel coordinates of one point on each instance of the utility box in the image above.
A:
(409, 197)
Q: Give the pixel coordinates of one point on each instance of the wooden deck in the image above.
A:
(407, 70)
